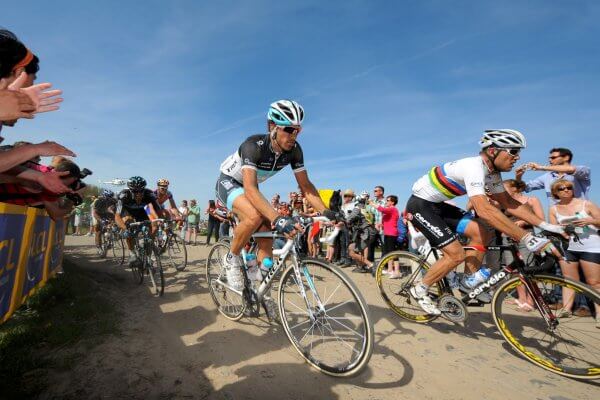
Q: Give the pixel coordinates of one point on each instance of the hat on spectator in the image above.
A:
(348, 192)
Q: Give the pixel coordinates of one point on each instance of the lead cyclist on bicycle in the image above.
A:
(258, 158)
(474, 176)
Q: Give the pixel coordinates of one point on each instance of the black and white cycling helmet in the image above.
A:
(286, 113)
(503, 138)
(136, 183)
(108, 193)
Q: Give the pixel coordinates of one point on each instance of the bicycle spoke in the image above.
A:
(337, 335)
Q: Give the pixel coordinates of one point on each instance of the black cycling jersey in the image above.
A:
(105, 207)
(257, 153)
(126, 203)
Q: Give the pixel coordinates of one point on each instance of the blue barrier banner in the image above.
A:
(37, 253)
(57, 245)
(11, 239)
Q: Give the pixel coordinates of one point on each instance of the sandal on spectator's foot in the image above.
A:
(524, 307)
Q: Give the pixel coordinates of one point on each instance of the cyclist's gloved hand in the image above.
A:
(537, 244)
(303, 220)
(551, 227)
(332, 215)
(284, 224)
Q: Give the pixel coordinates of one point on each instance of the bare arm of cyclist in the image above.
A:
(494, 217)
(174, 208)
(118, 216)
(310, 192)
(255, 197)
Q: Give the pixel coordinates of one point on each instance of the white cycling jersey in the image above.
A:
(468, 176)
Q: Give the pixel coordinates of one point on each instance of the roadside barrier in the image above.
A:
(31, 252)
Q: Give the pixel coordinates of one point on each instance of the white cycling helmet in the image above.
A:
(503, 138)
(286, 113)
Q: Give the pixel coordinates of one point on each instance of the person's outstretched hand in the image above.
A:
(44, 100)
(15, 105)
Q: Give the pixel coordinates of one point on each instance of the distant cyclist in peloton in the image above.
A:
(104, 212)
(130, 205)
(258, 158)
(439, 221)
(162, 195)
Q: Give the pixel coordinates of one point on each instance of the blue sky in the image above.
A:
(390, 88)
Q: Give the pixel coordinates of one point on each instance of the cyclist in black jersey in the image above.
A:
(131, 205)
(103, 211)
(257, 159)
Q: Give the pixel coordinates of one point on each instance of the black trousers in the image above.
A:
(213, 226)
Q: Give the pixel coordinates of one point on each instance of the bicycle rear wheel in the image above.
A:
(118, 248)
(394, 290)
(569, 347)
(137, 269)
(176, 253)
(155, 271)
(331, 327)
(228, 302)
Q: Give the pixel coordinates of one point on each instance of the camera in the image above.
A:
(78, 184)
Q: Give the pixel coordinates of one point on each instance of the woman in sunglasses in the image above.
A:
(584, 247)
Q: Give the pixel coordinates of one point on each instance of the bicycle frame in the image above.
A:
(288, 251)
(145, 229)
(516, 267)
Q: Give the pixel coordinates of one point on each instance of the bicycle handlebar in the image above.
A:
(140, 223)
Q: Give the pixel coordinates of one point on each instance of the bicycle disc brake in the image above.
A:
(453, 309)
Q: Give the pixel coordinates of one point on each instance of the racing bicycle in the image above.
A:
(171, 246)
(324, 315)
(111, 240)
(148, 257)
(567, 346)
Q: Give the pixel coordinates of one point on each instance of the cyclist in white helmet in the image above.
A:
(479, 178)
(258, 158)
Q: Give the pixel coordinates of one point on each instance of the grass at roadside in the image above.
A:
(69, 310)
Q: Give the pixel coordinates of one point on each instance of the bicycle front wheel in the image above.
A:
(408, 269)
(568, 345)
(176, 253)
(118, 248)
(155, 271)
(326, 318)
(230, 304)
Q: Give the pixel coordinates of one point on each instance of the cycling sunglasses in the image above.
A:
(291, 130)
(512, 152)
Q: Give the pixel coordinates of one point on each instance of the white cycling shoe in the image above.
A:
(424, 301)
(233, 272)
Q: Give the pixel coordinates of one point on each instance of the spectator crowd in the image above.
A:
(23, 179)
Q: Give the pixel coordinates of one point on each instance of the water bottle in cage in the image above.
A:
(265, 266)
(453, 279)
(253, 270)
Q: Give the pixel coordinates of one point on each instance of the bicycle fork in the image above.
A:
(320, 309)
(540, 303)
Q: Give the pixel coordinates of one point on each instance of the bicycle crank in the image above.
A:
(453, 309)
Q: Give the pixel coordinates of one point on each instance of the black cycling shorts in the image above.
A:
(576, 256)
(227, 190)
(438, 222)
